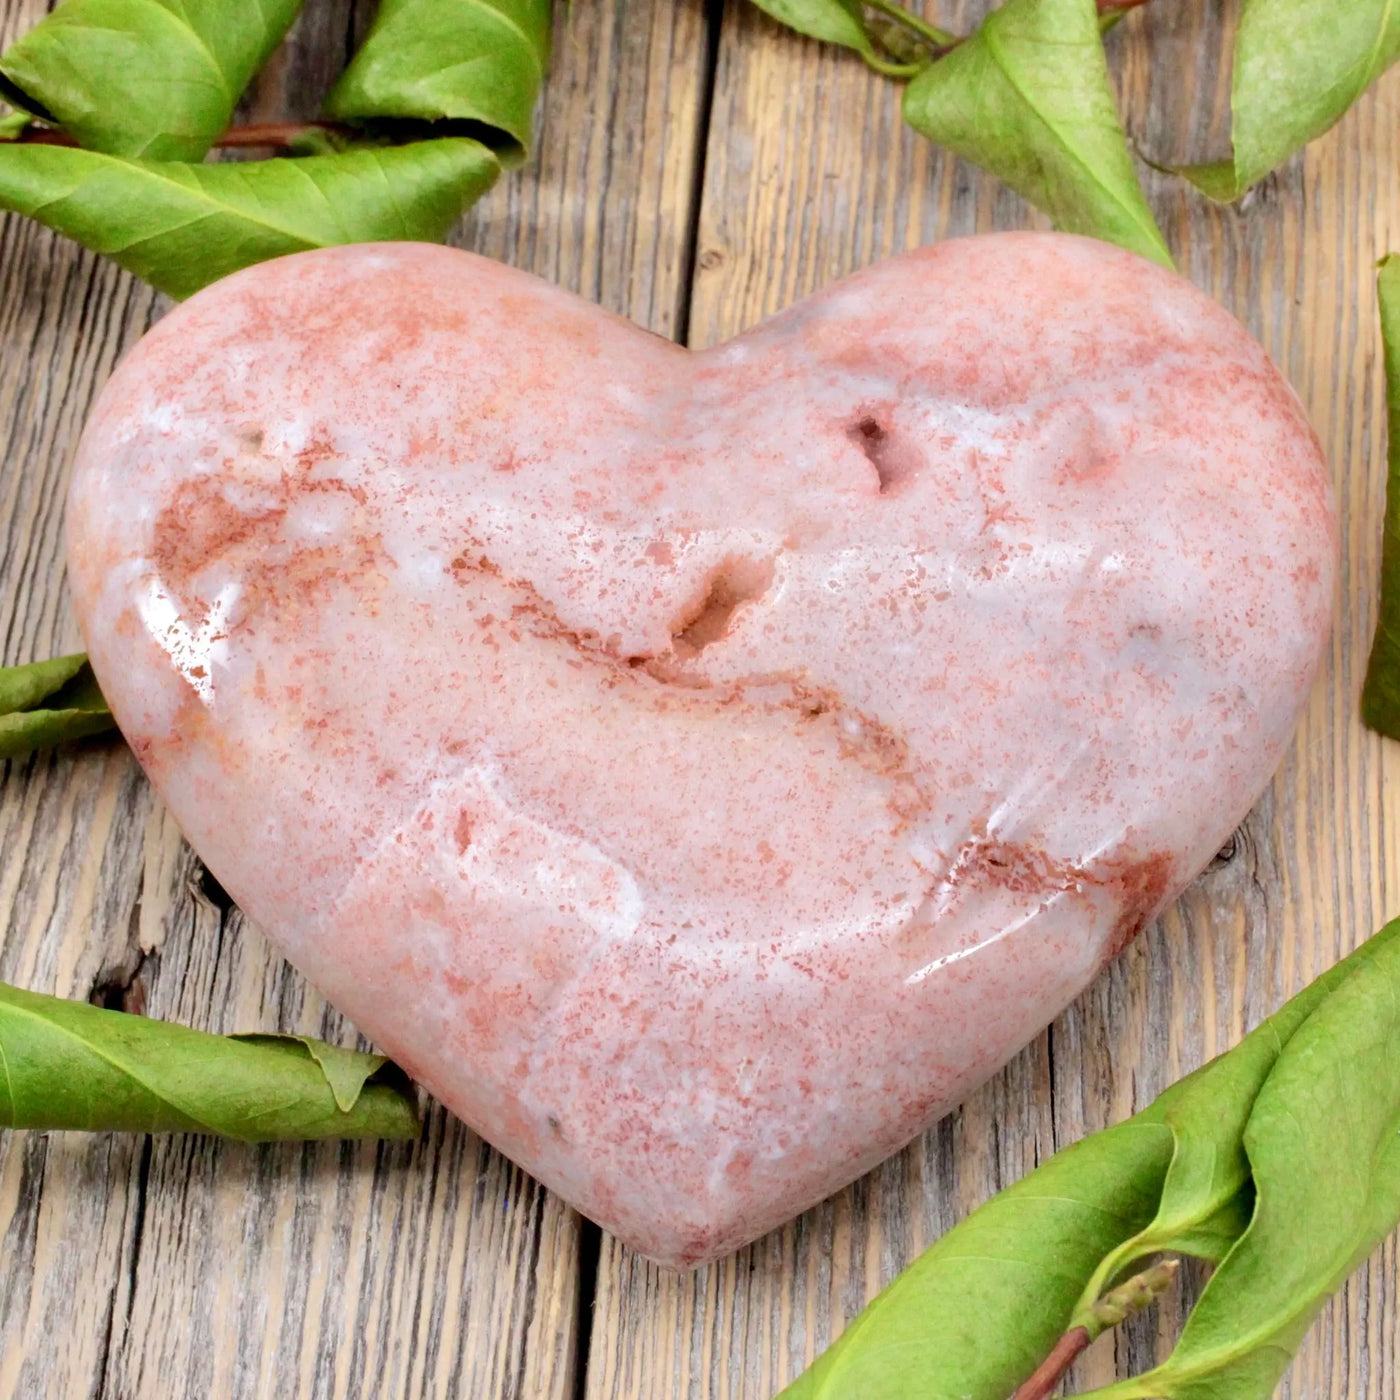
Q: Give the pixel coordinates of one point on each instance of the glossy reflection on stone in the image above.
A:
(702, 770)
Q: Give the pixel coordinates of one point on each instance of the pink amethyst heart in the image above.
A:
(701, 770)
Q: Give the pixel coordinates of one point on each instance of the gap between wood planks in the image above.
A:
(714, 21)
(123, 988)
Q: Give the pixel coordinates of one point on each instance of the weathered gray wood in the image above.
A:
(149, 1269)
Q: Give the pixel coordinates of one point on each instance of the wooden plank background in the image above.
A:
(697, 168)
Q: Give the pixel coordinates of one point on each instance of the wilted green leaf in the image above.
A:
(49, 702)
(832, 21)
(890, 38)
(31, 730)
(182, 226)
(157, 79)
(459, 60)
(1208, 1197)
(1028, 97)
(65, 1064)
(345, 1070)
(1324, 1145)
(1380, 699)
(1299, 64)
(974, 1315)
(22, 687)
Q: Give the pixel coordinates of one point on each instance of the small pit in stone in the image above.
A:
(735, 582)
(893, 461)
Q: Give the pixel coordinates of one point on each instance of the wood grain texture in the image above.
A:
(149, 1269)
(809, 175)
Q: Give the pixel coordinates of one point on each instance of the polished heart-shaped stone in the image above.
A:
(701, 770)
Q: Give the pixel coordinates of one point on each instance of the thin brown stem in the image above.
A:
(1040, 1385)
(277, 134)
(1117, 7)
(271, 135)
(43, 136)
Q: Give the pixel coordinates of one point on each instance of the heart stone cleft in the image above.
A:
(702, 770)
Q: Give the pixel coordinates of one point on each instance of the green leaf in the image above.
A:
(157, 79)
(30, 730)
(1028, 97)
(182, 226)
(1380, 698)
(1299, 64)
(1212, 1236)
(973, 1316)
(65, 1064)
(1216, 179)
(346, 1071)
(892, 40)
(1323, 1143)
(23, 687)
(458, 60)
(74, 709)
(1208, 1197)
(831, 21)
